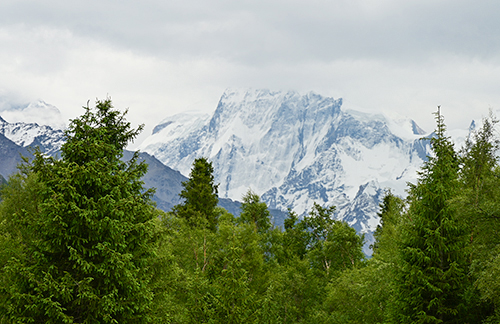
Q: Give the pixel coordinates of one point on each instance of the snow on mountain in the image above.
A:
(295, 149)
(32, 134)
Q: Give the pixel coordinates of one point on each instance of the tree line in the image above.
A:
(82, 242)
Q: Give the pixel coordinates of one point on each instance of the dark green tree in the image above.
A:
(480, 210)
(86, 228)
(433, 266)
(200, 197)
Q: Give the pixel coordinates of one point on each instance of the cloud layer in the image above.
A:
(162, 57)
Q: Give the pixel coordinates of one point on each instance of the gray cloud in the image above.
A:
(161, 57)
(263, 32)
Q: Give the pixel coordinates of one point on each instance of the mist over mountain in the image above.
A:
(37, 111)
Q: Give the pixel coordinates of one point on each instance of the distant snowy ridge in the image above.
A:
(32, 134)
(296, 149)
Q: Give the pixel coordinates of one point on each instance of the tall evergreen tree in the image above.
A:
(86, 233)
(200, 196)
(479, 209)
(480, 187)
(433, 268)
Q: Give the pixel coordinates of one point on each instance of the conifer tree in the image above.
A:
(433, 268)
(479, 208)
(86, 233)
(200, 196)
(478, 175)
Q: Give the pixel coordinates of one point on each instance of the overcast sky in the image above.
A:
(158, 57)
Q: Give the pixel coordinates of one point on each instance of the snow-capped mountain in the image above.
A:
(294, 150)
(31, 134)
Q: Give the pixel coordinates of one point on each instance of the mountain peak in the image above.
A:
(416, 129)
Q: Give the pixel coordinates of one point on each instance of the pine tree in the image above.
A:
(480, 192)
(200, 197)
(433, 268)
(88, 231)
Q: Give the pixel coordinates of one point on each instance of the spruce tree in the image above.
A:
(200, 196)
(86, 233)
(433, 268)
(479, 209)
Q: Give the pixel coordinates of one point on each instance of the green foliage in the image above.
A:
(365, 294)
(255, 212)
(295, 238)
(200, 196)
(478, 205)
(359, 295)
(81, 242)
(86, 228)
(333, 245)
(433, 270)
(219, 274)
(386, 234)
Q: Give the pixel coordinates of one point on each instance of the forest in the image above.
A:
(82, 242)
